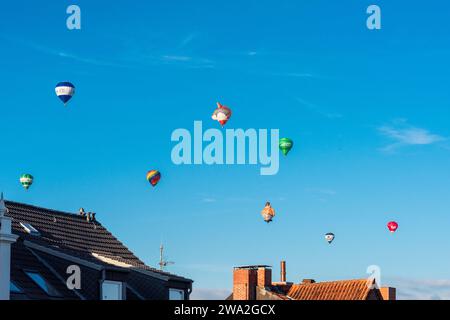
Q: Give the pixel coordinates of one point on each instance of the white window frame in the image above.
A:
(178, 291)
(120, 289)
(30, 229)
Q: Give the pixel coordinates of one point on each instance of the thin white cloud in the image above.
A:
(420, 289)
(89, 60)
(176, 58)
(135, 60)
(187, 40)
(305, 75)
(188, 61)
(319, 110)
(61, 53)
(209, 268)
(209, 294)
(297, 75)
(321, 191)
(209, 200)
(405, 135)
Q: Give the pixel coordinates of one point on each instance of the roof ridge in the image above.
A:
(72, 214)
(332, 281)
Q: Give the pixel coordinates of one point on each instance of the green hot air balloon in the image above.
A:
(26, 180)
(286, 145)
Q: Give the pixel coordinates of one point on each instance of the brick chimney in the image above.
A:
(247, 278)
(308, 281)
(244, 283)
(264, 277)
(6, 239)
(388, 293)
(283, 271)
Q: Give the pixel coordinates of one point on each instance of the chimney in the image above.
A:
(88, 217)
(244, 283)
(388, 293)
(93, 216)
(283, 271)
(6, 239)
(264, 276)
(82, 213)
(308, 281)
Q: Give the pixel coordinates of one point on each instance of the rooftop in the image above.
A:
(253, 267)
(71, 233)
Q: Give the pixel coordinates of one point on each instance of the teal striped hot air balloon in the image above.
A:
(285, 145)
(26, 180)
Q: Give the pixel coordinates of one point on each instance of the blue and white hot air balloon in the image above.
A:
(65, 91)
(329, 237)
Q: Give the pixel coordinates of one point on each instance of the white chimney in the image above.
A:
(6, 239)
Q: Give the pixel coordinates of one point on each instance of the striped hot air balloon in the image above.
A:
(153, 176)
(65, 91)
(26, 180)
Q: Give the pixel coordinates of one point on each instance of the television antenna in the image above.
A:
(162, 261)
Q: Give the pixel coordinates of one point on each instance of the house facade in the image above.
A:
(49, 254)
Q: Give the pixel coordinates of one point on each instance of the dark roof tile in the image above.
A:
(74, 235)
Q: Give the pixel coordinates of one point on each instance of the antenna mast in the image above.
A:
(162, 262)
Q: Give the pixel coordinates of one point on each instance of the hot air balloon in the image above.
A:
(26, 180)
(329, 237)
(153, 177)
(285, 145)
(268, 213)
(392, 226)
(221, 114)
(65, 91)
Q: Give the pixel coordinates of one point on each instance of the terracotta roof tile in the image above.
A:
(333, 290)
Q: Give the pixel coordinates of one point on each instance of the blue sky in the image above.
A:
(368, 112)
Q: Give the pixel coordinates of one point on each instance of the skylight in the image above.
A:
(42, 283)
(13, 288)
(30, 229)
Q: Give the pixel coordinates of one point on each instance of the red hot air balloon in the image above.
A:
(392, 226)
(221, 114)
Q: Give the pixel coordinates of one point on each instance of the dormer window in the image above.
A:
(30, 229)
(176, 294)
(42, 283)
(13, 288)
(112, 290)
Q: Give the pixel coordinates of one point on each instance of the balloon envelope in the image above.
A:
(221, 114)
(26, 180)
(286, 145)
(329, 237)
(268, 213)
(65, 91)
(153, 176)
(392, 226)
